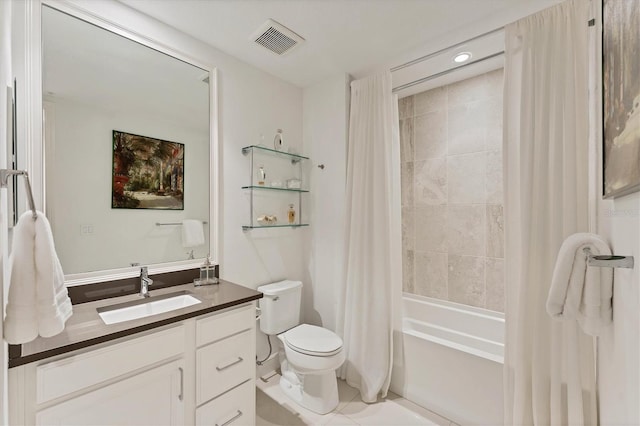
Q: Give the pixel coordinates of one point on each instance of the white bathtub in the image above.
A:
(448, 358)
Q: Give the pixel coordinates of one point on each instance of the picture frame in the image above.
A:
(147, 173)
(621, 97)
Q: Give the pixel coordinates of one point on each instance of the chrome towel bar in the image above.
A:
(175, 223)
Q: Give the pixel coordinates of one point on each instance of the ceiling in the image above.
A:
(341, 35)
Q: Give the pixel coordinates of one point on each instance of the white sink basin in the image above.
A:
(146, 307)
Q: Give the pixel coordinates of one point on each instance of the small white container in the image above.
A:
(294, 183)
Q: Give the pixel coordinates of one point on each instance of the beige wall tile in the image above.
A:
(467, 127)
(495, 230)
(430, 182)
(431, 228)
(452, 216)
(466, 230)
(406, 140)
(405, 107)
(430, 135)
(495, 80)
(466, 178)
(466, 280)
(408, 283)
(431, 274)
(469, 90)
(494, 177)
(494, 277)
(408, 229)
(406, 184)
(431, 100)
(493, 127)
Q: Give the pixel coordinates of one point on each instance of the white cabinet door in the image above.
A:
(154, 397)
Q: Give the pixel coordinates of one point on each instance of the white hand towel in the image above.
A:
(580, 292)
(21, 322)
(54, 305)
(38, 301)
(192, 233)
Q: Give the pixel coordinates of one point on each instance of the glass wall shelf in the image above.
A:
(294, 157)
(271, 172)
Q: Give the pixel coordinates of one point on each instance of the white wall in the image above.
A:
(325, 118)
(5, 80)
(250, 102)
(619, 348)
(618, 221)
(82, 145)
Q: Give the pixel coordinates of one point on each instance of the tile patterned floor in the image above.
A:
(274, 408)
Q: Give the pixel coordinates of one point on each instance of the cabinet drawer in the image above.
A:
(236, 407)
(67, 375)
(225, 324)
(224, 364)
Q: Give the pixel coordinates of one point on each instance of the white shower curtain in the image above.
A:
(369, 299)
(549, 365)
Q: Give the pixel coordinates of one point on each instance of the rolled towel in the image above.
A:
(579, 292)
(38, 303)
(192, 233)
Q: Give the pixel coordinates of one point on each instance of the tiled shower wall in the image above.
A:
(452, 214)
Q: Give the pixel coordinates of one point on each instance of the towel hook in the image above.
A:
(608, 261)
(4, 177)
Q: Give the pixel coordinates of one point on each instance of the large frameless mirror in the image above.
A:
(126, 149)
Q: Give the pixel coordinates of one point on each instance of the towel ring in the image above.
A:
(608, 261)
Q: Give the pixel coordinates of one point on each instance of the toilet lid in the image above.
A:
(312, 340)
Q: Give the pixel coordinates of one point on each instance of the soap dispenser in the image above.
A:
(207, 273)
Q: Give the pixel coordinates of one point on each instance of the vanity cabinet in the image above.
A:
(236, 407)
(198, 371)
(152, 397)
(278, 184)
(225, 365)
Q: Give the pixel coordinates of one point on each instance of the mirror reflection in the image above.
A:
(126, 149)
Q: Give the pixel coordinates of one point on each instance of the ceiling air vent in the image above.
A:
(276, 37)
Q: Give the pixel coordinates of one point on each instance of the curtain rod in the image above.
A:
(431, 55)
(591, 23)
(445, 72)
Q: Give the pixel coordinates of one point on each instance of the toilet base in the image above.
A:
(316, 392)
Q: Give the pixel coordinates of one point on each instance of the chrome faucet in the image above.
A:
(145, 282)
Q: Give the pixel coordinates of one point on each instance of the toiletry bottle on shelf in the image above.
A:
(261, 175)
(292, 214)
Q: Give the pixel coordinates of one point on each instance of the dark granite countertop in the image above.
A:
(85, 327)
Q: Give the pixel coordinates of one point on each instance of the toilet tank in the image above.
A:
(280, 306)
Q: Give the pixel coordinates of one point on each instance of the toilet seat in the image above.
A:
(313, 340)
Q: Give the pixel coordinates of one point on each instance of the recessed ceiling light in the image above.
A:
(462, 57)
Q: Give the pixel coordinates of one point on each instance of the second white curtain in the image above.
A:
(367, 310)
(549, 365)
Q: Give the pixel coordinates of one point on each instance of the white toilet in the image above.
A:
(309, 355)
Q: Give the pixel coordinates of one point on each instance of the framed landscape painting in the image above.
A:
(148, 173)
(621, 96)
